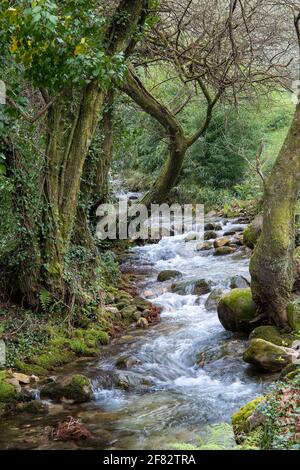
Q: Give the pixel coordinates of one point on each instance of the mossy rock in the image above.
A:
(167, 275)
(272, 334)
(8, 392)
(268, 356)
(236, 311)
(239, 419)
(293, 313)
(290, 371)
(141, 304)
(253, 232)
(77, 388)
(131, 313)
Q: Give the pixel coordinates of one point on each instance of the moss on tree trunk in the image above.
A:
(272, 266)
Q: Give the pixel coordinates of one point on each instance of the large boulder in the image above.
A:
(237, 311)
(76, 388)
(167, 275)
(270, 357)
(253, 231)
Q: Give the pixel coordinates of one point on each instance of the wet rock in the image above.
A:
(272, 334)
(233, 230)
(129, 381)
(142, 323)
(77, 388)
(237, 311)
(126, 362)
(212, 226)
(223, 241)
(268, 356)
(199, 287)
(210, 235)
(239, 282)
(213, 299)
(149, 293)
(253, 231)
(204, 246)
(224, 250)
(168, 274)
(238, 239)
(191, 237)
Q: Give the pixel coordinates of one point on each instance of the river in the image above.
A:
(169, 397)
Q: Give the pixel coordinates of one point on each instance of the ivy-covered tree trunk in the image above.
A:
(69, 137)
(272, 265)
(94, 184)
(65, 160)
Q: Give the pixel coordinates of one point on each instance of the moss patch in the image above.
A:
(239, 419)
(272, 334)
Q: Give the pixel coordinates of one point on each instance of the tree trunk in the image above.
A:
(178, 141)
(272, 266)
(101, 187)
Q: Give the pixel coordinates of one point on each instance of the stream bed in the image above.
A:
(170, 396)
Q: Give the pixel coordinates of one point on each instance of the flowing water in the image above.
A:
(167, 397)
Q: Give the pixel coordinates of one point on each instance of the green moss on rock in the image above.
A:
(293, 312)
(239, 419)
(77, 388)
(272, 334)
(236, 311)
(268, 356)
(7, 392)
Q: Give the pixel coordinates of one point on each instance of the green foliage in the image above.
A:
(217, 159)
(59, 43)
